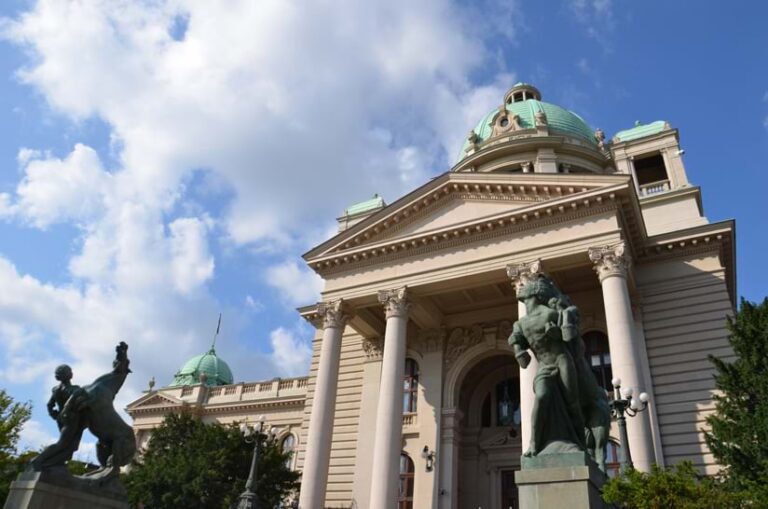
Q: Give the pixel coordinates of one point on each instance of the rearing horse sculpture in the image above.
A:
(91, 407)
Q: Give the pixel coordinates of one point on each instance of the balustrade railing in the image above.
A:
(654, 188)
(409, 419)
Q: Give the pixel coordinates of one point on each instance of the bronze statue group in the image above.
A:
(570, 411)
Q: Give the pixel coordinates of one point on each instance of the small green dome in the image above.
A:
(559, 120)
(214, 368)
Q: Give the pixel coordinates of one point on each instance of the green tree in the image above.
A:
(13, 415)
(739, 426)
(679, 487)
(191, 464)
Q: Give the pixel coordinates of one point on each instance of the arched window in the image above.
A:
(287, 446)
(410, 386)
(405, 496)
(599, 358)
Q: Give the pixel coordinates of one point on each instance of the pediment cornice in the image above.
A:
(543, 200)
(154, 401)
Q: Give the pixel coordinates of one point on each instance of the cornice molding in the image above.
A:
(504, 225)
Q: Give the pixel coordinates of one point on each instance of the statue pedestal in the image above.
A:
(569, 480)
(32, 490)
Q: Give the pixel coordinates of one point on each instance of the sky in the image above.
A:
(162, 161)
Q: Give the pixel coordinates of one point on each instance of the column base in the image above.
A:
(569, 480)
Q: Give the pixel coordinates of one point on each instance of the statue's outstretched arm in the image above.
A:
(121, 362)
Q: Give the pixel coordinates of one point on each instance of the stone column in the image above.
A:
(520, 275)
(389, 414)
(612, 264)
(314, 477)
(366, 427)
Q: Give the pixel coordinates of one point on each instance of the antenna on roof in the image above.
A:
(218, 328)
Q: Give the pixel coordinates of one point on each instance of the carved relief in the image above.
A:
(610, 260)
(460, 340)
(373, 348)
(395, 302)
(505, 122)
(430, 340)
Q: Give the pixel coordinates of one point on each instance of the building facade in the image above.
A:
(414, 398)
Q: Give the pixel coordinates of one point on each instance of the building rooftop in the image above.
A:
(640, 131)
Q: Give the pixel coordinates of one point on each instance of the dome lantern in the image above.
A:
(522, 92)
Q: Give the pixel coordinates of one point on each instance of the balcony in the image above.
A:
(652, 188)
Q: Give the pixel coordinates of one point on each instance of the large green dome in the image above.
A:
(559, 120)
(214, 368)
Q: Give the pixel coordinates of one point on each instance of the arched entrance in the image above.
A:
(489, 445)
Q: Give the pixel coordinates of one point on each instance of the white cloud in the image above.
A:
(254, 305)
(290, 354)
(296, 110)
(283, 102)
(297, 285)
(57, 190)
(192, 263)
(34, 436)
(597, 17)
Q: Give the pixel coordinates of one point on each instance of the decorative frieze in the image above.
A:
(334, 314)
(610, 261)
(373, 348)
(460, 340)
(395, 302)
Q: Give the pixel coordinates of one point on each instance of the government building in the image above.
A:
(414, 398)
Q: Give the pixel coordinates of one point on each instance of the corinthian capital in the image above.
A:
(395, 302)
(610, 260)
(522, 273)
(335, 313)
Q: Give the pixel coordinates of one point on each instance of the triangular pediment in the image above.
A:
(457, 210)
(154, 400)
(457, 207)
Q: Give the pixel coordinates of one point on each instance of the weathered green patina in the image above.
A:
(570, 411)
(374, 203)
(640, 131)
(207, 368)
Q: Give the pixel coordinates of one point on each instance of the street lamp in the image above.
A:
(248, 499)
(623, 403)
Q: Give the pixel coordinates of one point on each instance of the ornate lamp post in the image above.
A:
(624, 404)
(248, 499)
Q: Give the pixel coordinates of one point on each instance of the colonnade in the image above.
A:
(611, 264)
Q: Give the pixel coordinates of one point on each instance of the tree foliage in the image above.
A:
(680, 487)
(13, 415)
(739, 426)
(191, 464)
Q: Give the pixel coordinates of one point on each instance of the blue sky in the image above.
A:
(164, 161)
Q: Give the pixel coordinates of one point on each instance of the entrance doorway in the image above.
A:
(508, 490)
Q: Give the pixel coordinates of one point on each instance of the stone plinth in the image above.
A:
(38, 491)
(569, 480)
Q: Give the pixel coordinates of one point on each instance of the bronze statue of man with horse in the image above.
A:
(90, 407)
